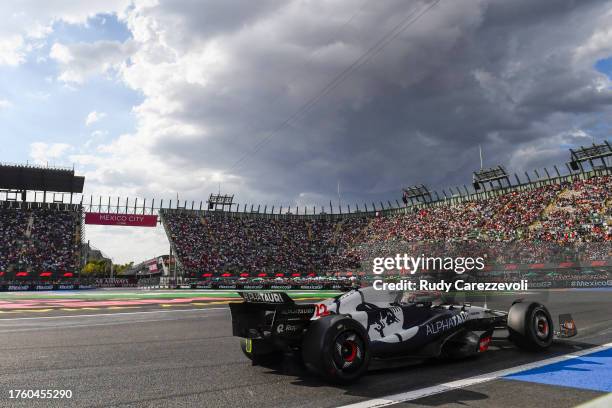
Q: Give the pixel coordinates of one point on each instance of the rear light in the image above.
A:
(21, 274)
(311, 275)
(68, 275)
(280, 275)
(244, 275)
(1, 273)
(295, 275)
(262, 275)
(45, 274)
(207, 275)
(484, 344)
(226, 275)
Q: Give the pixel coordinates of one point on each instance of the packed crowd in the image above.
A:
(585, 275)
(568, 221)
(38, 240)
(501, 218)
(580, 213)
(238, 244)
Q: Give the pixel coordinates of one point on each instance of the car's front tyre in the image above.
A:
(530, 326)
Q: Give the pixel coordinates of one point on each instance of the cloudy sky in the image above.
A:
(279, 101)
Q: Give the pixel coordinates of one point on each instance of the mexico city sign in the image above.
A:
(128, 220)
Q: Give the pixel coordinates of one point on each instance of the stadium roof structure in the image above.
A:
(33, 178)
(590, 153)
(218, 200)
(416, 193)
(484, 176)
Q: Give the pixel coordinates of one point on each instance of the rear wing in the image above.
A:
(274, 298)
(263, 314)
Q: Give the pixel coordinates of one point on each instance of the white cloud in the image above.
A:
(145, 243)
(5, 104)
(12, 50)
(38, 95)
(60, 53)
(540, 153)
(96, 137)
(25, 23)
(43, 153)
(96, 134)
(80, 61)
(599, 45)
(94, 117)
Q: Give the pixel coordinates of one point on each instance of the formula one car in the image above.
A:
(340, 338)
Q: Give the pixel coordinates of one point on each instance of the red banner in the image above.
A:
(129, 220)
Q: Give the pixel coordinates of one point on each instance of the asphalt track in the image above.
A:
(182, 354)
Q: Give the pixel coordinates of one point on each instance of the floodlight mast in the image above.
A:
(220, 202)
(496, 174)
(589, 154)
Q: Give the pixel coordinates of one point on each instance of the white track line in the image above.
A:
(466, 382)
(601, 402)
(112, 314)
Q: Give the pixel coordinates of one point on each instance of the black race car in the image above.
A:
(340, 338)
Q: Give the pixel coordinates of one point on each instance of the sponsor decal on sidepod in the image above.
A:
(446, 324)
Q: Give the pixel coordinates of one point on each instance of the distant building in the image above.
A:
(92, 254)
(158, 266)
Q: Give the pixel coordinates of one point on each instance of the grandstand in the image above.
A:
(559, 220)
(40, 240)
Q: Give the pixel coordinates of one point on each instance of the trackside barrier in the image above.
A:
(41, 287)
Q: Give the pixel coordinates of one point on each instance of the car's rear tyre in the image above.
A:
(530, 326)
(260, 352)
(336, 348)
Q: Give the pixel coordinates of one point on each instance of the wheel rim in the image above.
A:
(348, 351)
(541, 326)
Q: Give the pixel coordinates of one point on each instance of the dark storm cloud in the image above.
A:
(205, 20)
(503, 74)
